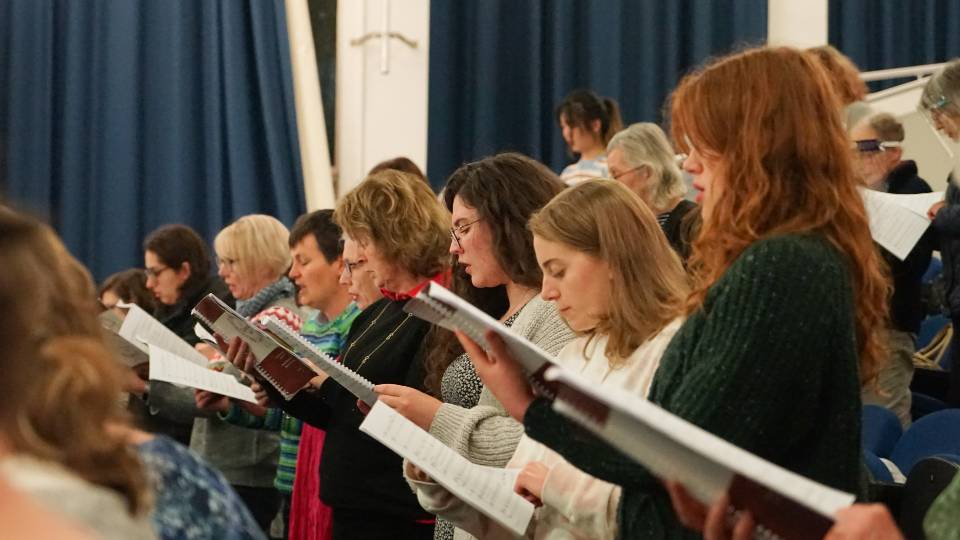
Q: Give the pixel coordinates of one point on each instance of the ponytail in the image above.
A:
(614, 122)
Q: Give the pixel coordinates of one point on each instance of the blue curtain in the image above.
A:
(498, 68)
(118, 116)
(888, 34)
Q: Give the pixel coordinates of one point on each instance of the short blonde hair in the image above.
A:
(398, 213)
(258, 244)
(606, 220)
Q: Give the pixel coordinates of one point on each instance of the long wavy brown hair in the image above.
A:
(606, 220)
(771, 120)
(60, 382)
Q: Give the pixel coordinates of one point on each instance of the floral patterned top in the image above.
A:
(192, 500)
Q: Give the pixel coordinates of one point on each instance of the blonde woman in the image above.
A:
(641, 158)
(401, 231)
(624, 309)
(252, 259)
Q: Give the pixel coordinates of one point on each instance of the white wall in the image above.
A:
(798, 23)
(380, 115)
(932, 153)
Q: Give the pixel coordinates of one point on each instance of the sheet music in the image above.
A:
(893, 225)
(487, 489)
(129, 353)
(444, 308)
(140, 328)
(918, 203)
(673, 448)
(168, 367)
(352, 381)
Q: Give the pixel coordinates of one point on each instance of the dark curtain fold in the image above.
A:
(118, 116)
(880, 34)
(498, 68)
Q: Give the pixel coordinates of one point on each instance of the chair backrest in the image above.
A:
(928, 478)
(922, 405)
(935, 433)
(933, 270)
(878, 471)
(881, 430)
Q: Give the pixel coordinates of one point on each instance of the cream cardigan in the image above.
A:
(576, 505)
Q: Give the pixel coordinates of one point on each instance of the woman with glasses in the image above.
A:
(177, 265)
(641, 158)
(941, 103)
(878, 160)
(491, 201)
(358, 280)
(399, 228)
(253, 257)
(178, 274)
(784, 228)
(625, 310)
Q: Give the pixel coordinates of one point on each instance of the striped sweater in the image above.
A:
(328, 337)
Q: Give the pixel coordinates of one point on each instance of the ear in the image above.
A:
(595, 126)
(338, 265)
(184, 271)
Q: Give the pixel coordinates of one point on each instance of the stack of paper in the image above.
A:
(898, 221)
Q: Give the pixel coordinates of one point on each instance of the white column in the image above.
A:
(311, 129)
(797, 23)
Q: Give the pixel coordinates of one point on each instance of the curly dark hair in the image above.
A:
(505, 189)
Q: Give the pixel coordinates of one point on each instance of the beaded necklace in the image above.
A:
(381, 344)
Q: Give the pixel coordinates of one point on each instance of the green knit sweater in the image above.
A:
(769, 363)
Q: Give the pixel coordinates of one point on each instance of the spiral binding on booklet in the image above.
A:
(474, 325)
(349, 379)
(278, 366)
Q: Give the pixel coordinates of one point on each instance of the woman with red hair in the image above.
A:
(788, 290)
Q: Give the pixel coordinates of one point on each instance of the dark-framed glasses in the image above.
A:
(155, 271)
(868, 146)
(351, 267)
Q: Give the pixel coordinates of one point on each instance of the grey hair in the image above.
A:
(945, 84)
(645, 144)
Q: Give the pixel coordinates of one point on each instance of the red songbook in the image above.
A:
(276, 364)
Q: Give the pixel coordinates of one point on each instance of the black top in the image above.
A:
(906, 305)
(357, 472)
(679, 227)
(177, 317)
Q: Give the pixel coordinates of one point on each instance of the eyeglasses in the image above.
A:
(869, 146)
(226, 261)
(155, 271)
(618, 176)
(457, 232)
(350, 267)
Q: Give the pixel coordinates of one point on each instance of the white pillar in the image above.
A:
(797, 23)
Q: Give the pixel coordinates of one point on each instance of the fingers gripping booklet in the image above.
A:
(783, 503)
(275, 363)
(439, 306)
(488, 489)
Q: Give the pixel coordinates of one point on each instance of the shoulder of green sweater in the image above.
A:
(796, 253)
